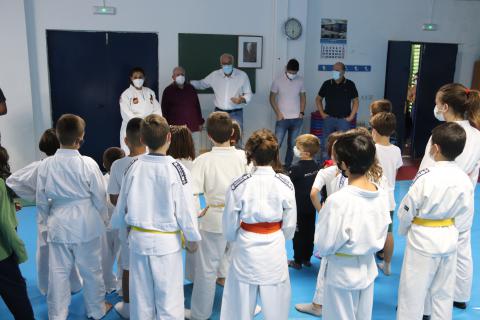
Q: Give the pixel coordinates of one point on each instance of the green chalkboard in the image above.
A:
(199, 54)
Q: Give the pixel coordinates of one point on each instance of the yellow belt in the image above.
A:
(216, 205)
(154, 231)
(339, 254)
(434, 223)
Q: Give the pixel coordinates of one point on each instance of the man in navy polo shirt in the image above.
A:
(341, 102)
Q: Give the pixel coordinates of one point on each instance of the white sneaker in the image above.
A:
(258, 309)
(123, 309)
(188, 314)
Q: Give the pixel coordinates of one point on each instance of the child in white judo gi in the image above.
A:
(440, 197)
(212, 174)
(117, 172)
(111, 242)
(456, 103)
(390, 158)
(158, 201)
(24, 183)
(71, 197)
(260, 214)
(352, 226)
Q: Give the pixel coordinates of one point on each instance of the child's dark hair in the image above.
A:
(262, 147)
(69, 128)
(381, 105)
(332, 138)
(219, 126)
(237, 133)
(133, 132)
(5, 170)
(356, 150)
(136, 69)
(462, 101)
(181, 146)
(293, 65)
(451, 138)
(154, 130)
(111, 155)
(49, 143)
(384, 123)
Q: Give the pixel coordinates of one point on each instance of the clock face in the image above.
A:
(293, 28)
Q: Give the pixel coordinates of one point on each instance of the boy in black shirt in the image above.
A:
(302, 175)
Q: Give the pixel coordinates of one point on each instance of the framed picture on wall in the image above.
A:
(250, 49)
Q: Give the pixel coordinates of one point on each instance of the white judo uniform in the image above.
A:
(212, 174)
(158, 201)
(352, 226)
(469, 162)
(110, 248)
(442, 192)
(333, 180)
(24, 183)
(259, 265)
(136, 103)
(71, 197)
(117, 172)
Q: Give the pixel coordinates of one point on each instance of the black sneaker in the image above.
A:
(307, 264)
(425, 317)
(294, 265)
(460, 305)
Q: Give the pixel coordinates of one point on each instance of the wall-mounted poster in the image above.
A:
(250, 51)
(333, 39)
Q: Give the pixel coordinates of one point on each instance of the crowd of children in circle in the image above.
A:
(146, 209)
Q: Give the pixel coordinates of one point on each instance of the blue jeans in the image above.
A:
(293, 127)
(331, 125)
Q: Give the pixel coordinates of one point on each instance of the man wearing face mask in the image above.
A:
(231, 88)
(136, 101)
(289, 107)
(180, 104)
(341, 102)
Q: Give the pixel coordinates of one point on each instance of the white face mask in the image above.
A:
(439, 113)
(291, 76)
(336, 75)
(180, 80)
(296, 152)
(138, 83)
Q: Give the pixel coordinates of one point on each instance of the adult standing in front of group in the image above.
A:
(180, 105)
(231, 88)
(341, 102)
(289, 107)
(137, 101)
(3, 108)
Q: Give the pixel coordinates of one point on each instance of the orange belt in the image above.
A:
(262, 227)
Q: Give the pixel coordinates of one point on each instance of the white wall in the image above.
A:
(167, 18)
(17, 126)
(371, 23)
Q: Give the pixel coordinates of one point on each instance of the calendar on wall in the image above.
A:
(333, 39)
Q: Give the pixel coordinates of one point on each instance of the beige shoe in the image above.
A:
(188, 314)
(123, 309)
(309, 308)
(385, 267)
(258, 309)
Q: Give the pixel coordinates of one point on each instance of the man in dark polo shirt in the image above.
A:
(341, 102)
(180, 104)
(3, 108)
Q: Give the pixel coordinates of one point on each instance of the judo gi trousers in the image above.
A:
(225, 263)
(211, 250)
(345, 304)
(110, 253)
(319, 289)
(62, 258)
(463, 284)
(156, 287)
(422, 275)
(240, 299)
(42, 265)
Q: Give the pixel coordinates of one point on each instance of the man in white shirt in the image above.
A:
(231, 88)
(290, 106)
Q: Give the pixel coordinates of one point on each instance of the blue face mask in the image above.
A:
(336, 75)
(227, 68)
